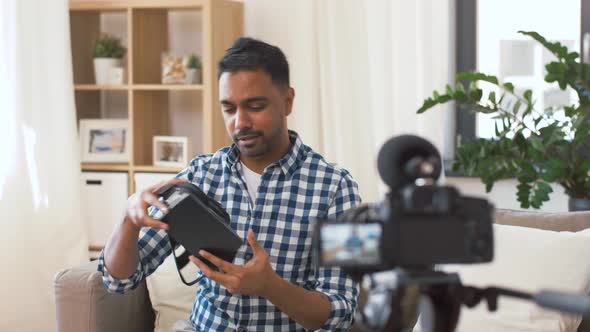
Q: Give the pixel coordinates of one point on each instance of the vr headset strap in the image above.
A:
(182, 261)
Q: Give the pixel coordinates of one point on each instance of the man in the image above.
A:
(273, 187)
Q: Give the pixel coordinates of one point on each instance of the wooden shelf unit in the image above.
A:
(94, 87)
(149, 29)
(169, 87)
(123, 87)
(156, 169)
(105, 167)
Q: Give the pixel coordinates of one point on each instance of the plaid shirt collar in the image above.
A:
(288, 164)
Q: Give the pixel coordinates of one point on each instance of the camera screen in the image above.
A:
(350, 244)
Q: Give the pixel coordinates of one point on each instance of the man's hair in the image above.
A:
(251, 54)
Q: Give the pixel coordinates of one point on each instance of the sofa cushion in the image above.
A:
(171, 299)
(528, 259)
(83, 303)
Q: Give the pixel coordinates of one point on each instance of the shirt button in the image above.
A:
(248, 257)
(241, 329)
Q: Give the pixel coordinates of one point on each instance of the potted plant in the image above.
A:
(108, 52)
(534, 146)
(193, 69)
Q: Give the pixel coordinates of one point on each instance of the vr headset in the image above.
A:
(197, 222)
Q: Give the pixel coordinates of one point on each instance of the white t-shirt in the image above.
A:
(252, 180)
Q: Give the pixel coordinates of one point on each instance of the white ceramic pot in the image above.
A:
(117, 76)
(192, 76)
(102, 69)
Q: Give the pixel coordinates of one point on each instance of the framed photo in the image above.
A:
(170, 151)
(104, 140)
(173, 70)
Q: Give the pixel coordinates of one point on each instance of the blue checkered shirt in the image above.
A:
(293, 192)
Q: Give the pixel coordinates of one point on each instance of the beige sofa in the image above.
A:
(83, 305)
(571, 222)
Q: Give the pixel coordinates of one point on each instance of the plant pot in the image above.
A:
(579, 204)
(102, 69)
(117, 76)
(193, 76)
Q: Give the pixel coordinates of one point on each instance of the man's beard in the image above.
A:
(263, 146)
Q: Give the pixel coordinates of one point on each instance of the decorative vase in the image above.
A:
(116, 76)
(102, 69)
(193, 76)
(578, 204)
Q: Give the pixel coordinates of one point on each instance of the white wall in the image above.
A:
(503, 194)
(281, 23)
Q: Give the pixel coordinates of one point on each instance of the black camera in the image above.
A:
(418, 225)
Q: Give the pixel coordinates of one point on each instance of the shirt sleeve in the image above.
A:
(153, 246)
(341, 290)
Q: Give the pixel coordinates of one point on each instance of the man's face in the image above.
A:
(255, 111)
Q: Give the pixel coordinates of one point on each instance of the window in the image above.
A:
(487, 41)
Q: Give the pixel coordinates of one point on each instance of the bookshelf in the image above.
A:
(149, 29)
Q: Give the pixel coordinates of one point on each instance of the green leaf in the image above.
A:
(476, 94)
(449, 90)
(582, 132)
(428, 104)
(551, 134)
(476, 76)
(557, 49)
(528, 110)
(508, 86)
(528, 95)
(573, 56)
(460, 93)
(107, 46)
(489, 186)
(554, 170)
(540, 194)
(528, 168)
(536, 143)
(459, 87)
(516, 107)
(544, 187)
(444, 98)
(492, 97)
(522, 194)
(569, 111)
(520, 141)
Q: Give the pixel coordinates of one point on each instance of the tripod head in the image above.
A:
(443, 294)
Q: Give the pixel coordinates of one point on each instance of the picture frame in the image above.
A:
(170, 151)
(105, 140)
(173, 69)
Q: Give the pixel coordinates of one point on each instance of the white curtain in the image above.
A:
(360, 70)
(39, 167)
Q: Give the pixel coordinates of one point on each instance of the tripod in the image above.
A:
(446, 294)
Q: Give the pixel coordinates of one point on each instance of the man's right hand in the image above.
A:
(136, 211)
(121, 254)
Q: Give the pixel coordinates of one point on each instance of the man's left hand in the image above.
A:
(251, 279)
